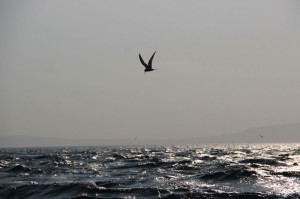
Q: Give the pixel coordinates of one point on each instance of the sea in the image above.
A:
(243, 171)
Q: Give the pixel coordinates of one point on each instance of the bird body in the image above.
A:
(148, 67)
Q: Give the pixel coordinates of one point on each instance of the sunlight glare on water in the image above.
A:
(215, 171)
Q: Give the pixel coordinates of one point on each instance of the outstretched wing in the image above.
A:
(142, 61)
(150, 61)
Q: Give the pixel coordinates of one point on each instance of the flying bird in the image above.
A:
(148, 67)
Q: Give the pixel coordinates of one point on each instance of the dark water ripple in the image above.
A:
(210, 171)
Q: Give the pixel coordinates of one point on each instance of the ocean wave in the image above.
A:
(19, 169)
(240, 171)
(260, 161)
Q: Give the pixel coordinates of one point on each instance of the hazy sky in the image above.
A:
(71, 68)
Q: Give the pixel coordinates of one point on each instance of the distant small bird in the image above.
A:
(149, 65)
(261, 136)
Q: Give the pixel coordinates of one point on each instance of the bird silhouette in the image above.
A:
(148, 67)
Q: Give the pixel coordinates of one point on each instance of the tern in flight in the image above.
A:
(149, 65)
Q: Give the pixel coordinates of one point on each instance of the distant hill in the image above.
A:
(289, 133)
(268, 134)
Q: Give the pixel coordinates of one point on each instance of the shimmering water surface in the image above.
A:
(203, 171)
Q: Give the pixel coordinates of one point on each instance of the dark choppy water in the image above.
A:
(210, 171)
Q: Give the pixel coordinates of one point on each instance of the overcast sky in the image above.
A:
(70, 68)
